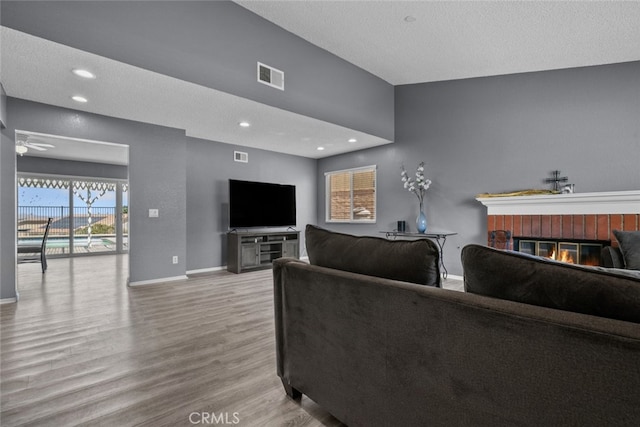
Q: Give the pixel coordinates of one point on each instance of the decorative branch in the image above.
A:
(89, 201)
(417, 186)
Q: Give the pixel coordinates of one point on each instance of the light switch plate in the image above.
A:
(153, 213)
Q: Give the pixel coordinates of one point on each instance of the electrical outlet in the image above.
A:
(175, 259)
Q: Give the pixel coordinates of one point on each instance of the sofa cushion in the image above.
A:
(414, 261)
(630, 246)
(611, 257)
(516, 276)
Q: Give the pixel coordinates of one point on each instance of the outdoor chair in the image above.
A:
(37, 253)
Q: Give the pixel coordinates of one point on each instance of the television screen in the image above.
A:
(261, 204)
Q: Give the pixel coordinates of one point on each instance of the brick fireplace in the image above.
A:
(571, 220)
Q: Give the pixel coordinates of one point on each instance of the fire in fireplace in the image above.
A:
(585, 252)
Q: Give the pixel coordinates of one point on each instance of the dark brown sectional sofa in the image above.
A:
(376, 351)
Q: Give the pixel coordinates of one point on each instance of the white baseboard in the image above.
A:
(223, 267)
(207, 270)
(158, 281)
(8, 300)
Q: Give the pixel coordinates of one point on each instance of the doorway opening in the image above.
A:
(83, 186)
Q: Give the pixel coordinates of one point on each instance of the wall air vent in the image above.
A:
(270, 76)
(240, 156)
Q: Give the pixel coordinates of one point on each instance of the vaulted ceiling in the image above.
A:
(402, 42)
(406, 42)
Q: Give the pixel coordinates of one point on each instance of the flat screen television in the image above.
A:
(261, 204)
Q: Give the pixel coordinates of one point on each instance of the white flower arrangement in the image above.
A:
(417, 186)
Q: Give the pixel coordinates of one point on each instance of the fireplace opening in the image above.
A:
(585, 252)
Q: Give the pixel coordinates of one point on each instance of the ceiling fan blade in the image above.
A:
(35, 147)
(41, 144)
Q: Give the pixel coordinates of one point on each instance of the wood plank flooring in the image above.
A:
(81, 348)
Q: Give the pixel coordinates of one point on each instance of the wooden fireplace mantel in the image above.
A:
(612, 202)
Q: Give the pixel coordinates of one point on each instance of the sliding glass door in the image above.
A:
(90, 216)
(38, 200)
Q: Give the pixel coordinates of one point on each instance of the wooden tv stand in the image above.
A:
(255, 250)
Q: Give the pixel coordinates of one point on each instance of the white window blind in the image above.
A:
(351, 195)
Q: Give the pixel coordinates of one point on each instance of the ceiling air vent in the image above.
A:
(240, 156)
(270, 76)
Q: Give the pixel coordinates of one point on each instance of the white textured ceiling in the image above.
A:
(39, 70)
(450, 40)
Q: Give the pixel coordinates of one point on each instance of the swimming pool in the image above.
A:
(63, 242)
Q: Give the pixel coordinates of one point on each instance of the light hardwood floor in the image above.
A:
(81, 348)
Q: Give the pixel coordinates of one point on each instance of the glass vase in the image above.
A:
(421, 221)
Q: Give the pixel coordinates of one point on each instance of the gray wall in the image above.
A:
(3, 106)
(210, 166)
(185, 178)
(215, 44)
(7, 215)
(157, 179)
(499, 134)
(28, 164)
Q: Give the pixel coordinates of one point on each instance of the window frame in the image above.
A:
(351, 172)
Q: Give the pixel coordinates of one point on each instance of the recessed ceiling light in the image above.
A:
(83, 73)
(320, 148)
(79, 98)
(353, 140)
(244, 124)
(409, 18)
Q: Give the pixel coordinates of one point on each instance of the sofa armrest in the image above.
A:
(611, 257)
(278, 292)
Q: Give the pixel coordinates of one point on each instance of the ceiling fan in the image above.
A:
(24, 142)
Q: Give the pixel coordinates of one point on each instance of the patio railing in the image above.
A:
(32, 221)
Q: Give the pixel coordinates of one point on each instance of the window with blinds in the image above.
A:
(351, 195)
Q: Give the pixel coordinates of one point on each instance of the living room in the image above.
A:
(487, 133)
(468, 132)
